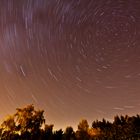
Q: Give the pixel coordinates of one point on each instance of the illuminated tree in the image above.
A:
(26, 121)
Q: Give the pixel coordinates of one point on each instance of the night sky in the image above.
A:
(72, 58)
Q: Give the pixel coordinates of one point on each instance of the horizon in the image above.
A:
(73, 125)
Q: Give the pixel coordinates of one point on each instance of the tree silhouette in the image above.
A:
(48, 132)
(58, 134)
(104, 128)
(69, 134)
(29, 124)
(82, 132)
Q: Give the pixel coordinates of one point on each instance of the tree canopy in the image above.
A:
(29, 124)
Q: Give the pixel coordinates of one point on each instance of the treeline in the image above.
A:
(29, 124)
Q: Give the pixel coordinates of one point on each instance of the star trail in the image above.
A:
(73, 58)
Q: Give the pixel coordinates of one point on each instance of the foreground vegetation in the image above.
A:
(29, 124)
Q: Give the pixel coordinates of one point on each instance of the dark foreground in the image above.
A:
(29, 124)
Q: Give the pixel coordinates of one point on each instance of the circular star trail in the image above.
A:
(74, 59)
